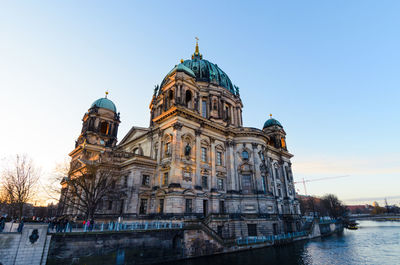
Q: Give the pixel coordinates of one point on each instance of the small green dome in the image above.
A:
(272, 122)
(104, 103)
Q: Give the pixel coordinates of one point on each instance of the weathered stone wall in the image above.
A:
(199, 243)
(8, 247)
(17, 248)
(108, 247)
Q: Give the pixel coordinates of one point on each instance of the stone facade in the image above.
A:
(195, 161)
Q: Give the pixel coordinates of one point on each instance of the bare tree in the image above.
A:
(19, 182)
(333, 205)
(85, 188)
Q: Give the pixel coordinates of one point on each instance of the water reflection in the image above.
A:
(373, 243)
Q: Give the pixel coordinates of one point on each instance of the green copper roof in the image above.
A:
(181, 68)
(204, 70)
(272, 122)
(104, 103)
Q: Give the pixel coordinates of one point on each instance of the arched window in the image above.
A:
(104, 127)
(204, 108)
(188, 98)
(245, 155)
(215, 106)
(283, 143)
(170, 98)
(219, 155)
(167, 146)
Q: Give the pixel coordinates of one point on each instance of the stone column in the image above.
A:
(233, 120)
(175, 171)
(159, 158)
(213, 184)
(285, 179)
(219, 107)
(198, 157)
(238, 116)
(235, 166)
(231, 183)
(257, 172)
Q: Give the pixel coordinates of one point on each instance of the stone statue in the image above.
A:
(155, 90)
(237, 90)
(187, 150)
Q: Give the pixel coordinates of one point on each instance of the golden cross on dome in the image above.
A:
(106, 93)
(197, 46)
(270, 116)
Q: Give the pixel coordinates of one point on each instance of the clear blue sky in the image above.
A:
(327, 70)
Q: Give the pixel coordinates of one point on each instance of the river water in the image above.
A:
(373, 243)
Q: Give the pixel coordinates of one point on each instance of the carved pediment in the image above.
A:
(246, 168)
(221, 174)
(205, 171)
(165, 166)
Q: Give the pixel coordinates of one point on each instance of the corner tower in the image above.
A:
(276, 133)
(99, 131)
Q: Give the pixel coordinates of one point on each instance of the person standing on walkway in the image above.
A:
(2, 223)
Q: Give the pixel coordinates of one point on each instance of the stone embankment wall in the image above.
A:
(17, 248)
(136, 247)
(116, 247)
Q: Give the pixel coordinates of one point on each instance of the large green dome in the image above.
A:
(204, 70)
(104, 103)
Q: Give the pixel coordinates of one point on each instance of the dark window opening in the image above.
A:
(121, 210)
(146, 180)
(188, 206)
(275, 228)
(215, 106)
(219, 230)
(222, 207)
(165, 179)
(161, 208)
(143, 206)
(188, 98)
(252, 229)
(204, 108)
(204, 182)
(104, 128)
(205, 208)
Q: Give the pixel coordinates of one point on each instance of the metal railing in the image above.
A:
(113, 226)
(327, 220)
(268, 239)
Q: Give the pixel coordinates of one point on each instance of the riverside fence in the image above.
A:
(264, 239)
(112, 226)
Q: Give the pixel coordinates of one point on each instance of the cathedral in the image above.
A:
(195, 161)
